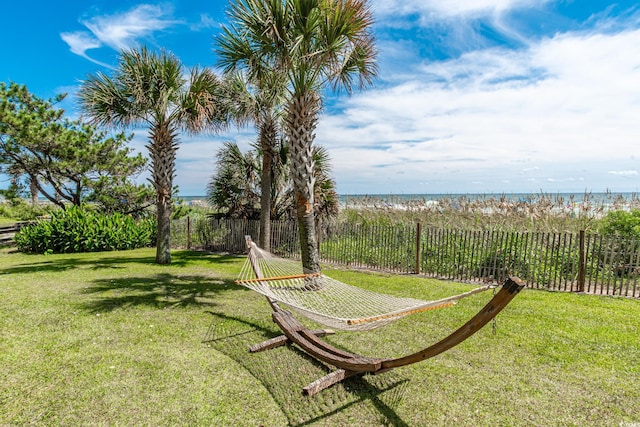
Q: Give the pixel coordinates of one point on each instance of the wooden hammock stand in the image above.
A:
(350, 364)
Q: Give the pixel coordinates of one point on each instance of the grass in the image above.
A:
(113, 339)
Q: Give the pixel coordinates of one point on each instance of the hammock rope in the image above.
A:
(326, 300)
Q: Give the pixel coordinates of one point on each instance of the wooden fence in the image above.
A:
(577, 262)
(8, 231)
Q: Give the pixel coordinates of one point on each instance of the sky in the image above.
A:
(472, 96)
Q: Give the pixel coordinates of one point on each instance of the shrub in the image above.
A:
(77, 229)
(621, 223)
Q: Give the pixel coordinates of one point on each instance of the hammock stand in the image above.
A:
(349, 364)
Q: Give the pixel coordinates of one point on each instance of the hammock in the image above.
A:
(342, 306)
(329, 301)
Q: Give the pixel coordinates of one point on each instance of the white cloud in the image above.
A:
(569, 103)
(569, 179)
(624, 173)
(205, 23)
(120, 31)
(437, 9)
(459, 26)
(80, 42)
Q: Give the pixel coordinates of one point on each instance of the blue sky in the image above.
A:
(473, 96)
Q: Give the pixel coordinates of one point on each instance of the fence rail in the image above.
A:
(575, 262)
(7, 232)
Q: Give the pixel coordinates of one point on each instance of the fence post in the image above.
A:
(582, 266)
(418, 247)
(188, 232)
(318, 236)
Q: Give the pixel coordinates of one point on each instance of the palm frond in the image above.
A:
(106, 103)
(204, 105)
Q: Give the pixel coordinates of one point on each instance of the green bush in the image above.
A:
(77, 229)
(621, 223)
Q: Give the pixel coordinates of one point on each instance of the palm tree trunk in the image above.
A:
(162, 151)
(302, 119)
(33, 188)
(163, 242)
(267, 142)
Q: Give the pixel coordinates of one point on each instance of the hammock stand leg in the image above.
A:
(281, 340)
(328, 380)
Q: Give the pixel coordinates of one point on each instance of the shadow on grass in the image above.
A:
(163, 290)
(372, 400)
(118, 260)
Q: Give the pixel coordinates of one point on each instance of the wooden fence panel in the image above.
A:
(377, 247)
(614, 266)
(610, 266)
(593, 247)
(284, 239)
(542, 259)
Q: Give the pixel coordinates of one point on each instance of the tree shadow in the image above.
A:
(163, 290)
(115, 261)
(285, 370)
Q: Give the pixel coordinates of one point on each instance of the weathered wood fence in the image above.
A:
(8, 231)
(580, 262)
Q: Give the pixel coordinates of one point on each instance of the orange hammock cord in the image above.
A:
(402, 313)
(269, 279)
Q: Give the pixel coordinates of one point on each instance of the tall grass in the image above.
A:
(535, 212)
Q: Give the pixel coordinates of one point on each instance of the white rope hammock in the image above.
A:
(326, 300)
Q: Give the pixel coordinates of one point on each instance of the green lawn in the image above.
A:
(113, 339)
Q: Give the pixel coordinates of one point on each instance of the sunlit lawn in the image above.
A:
(113, 339)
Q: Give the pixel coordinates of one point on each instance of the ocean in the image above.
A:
(400, 200)
(408, 199)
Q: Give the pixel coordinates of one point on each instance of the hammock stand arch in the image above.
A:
(350, 364)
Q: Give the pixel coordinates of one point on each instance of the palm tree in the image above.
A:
(235, 187)
(260, 100)
(152, 89)
(317, 43)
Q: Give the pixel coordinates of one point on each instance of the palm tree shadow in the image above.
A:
(163, 290)
(283, 372)
(115, 260)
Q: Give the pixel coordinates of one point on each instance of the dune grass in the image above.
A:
(113, 339)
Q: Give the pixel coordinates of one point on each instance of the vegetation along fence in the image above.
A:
(580, 262)
(8, 231)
